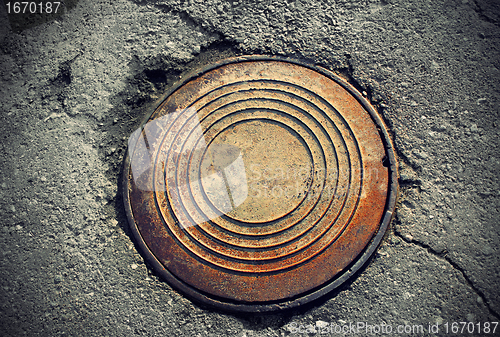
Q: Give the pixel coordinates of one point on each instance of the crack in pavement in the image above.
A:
(443, 256)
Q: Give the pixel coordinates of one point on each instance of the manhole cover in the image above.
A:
(259, 184)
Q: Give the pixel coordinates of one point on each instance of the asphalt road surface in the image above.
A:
(74, 86)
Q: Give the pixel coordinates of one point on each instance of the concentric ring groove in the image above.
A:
(253, 257)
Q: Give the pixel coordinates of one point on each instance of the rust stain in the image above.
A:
(258, 182)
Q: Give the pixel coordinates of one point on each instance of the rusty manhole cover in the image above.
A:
(260, 183)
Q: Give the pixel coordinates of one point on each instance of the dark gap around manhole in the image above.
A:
(385, 161)
(156, 75)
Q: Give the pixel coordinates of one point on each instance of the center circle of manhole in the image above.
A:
(278, 169)
(260, 183)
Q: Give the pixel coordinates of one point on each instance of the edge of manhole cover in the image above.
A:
(191, 171)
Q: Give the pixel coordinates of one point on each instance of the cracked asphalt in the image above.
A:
(75, 86)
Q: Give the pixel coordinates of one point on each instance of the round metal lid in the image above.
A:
(260, 183)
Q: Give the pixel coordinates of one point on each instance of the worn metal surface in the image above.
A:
(260, 183)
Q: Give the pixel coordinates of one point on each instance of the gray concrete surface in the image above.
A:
(74, 88)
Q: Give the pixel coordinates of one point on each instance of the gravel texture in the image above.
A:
(73, 88)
